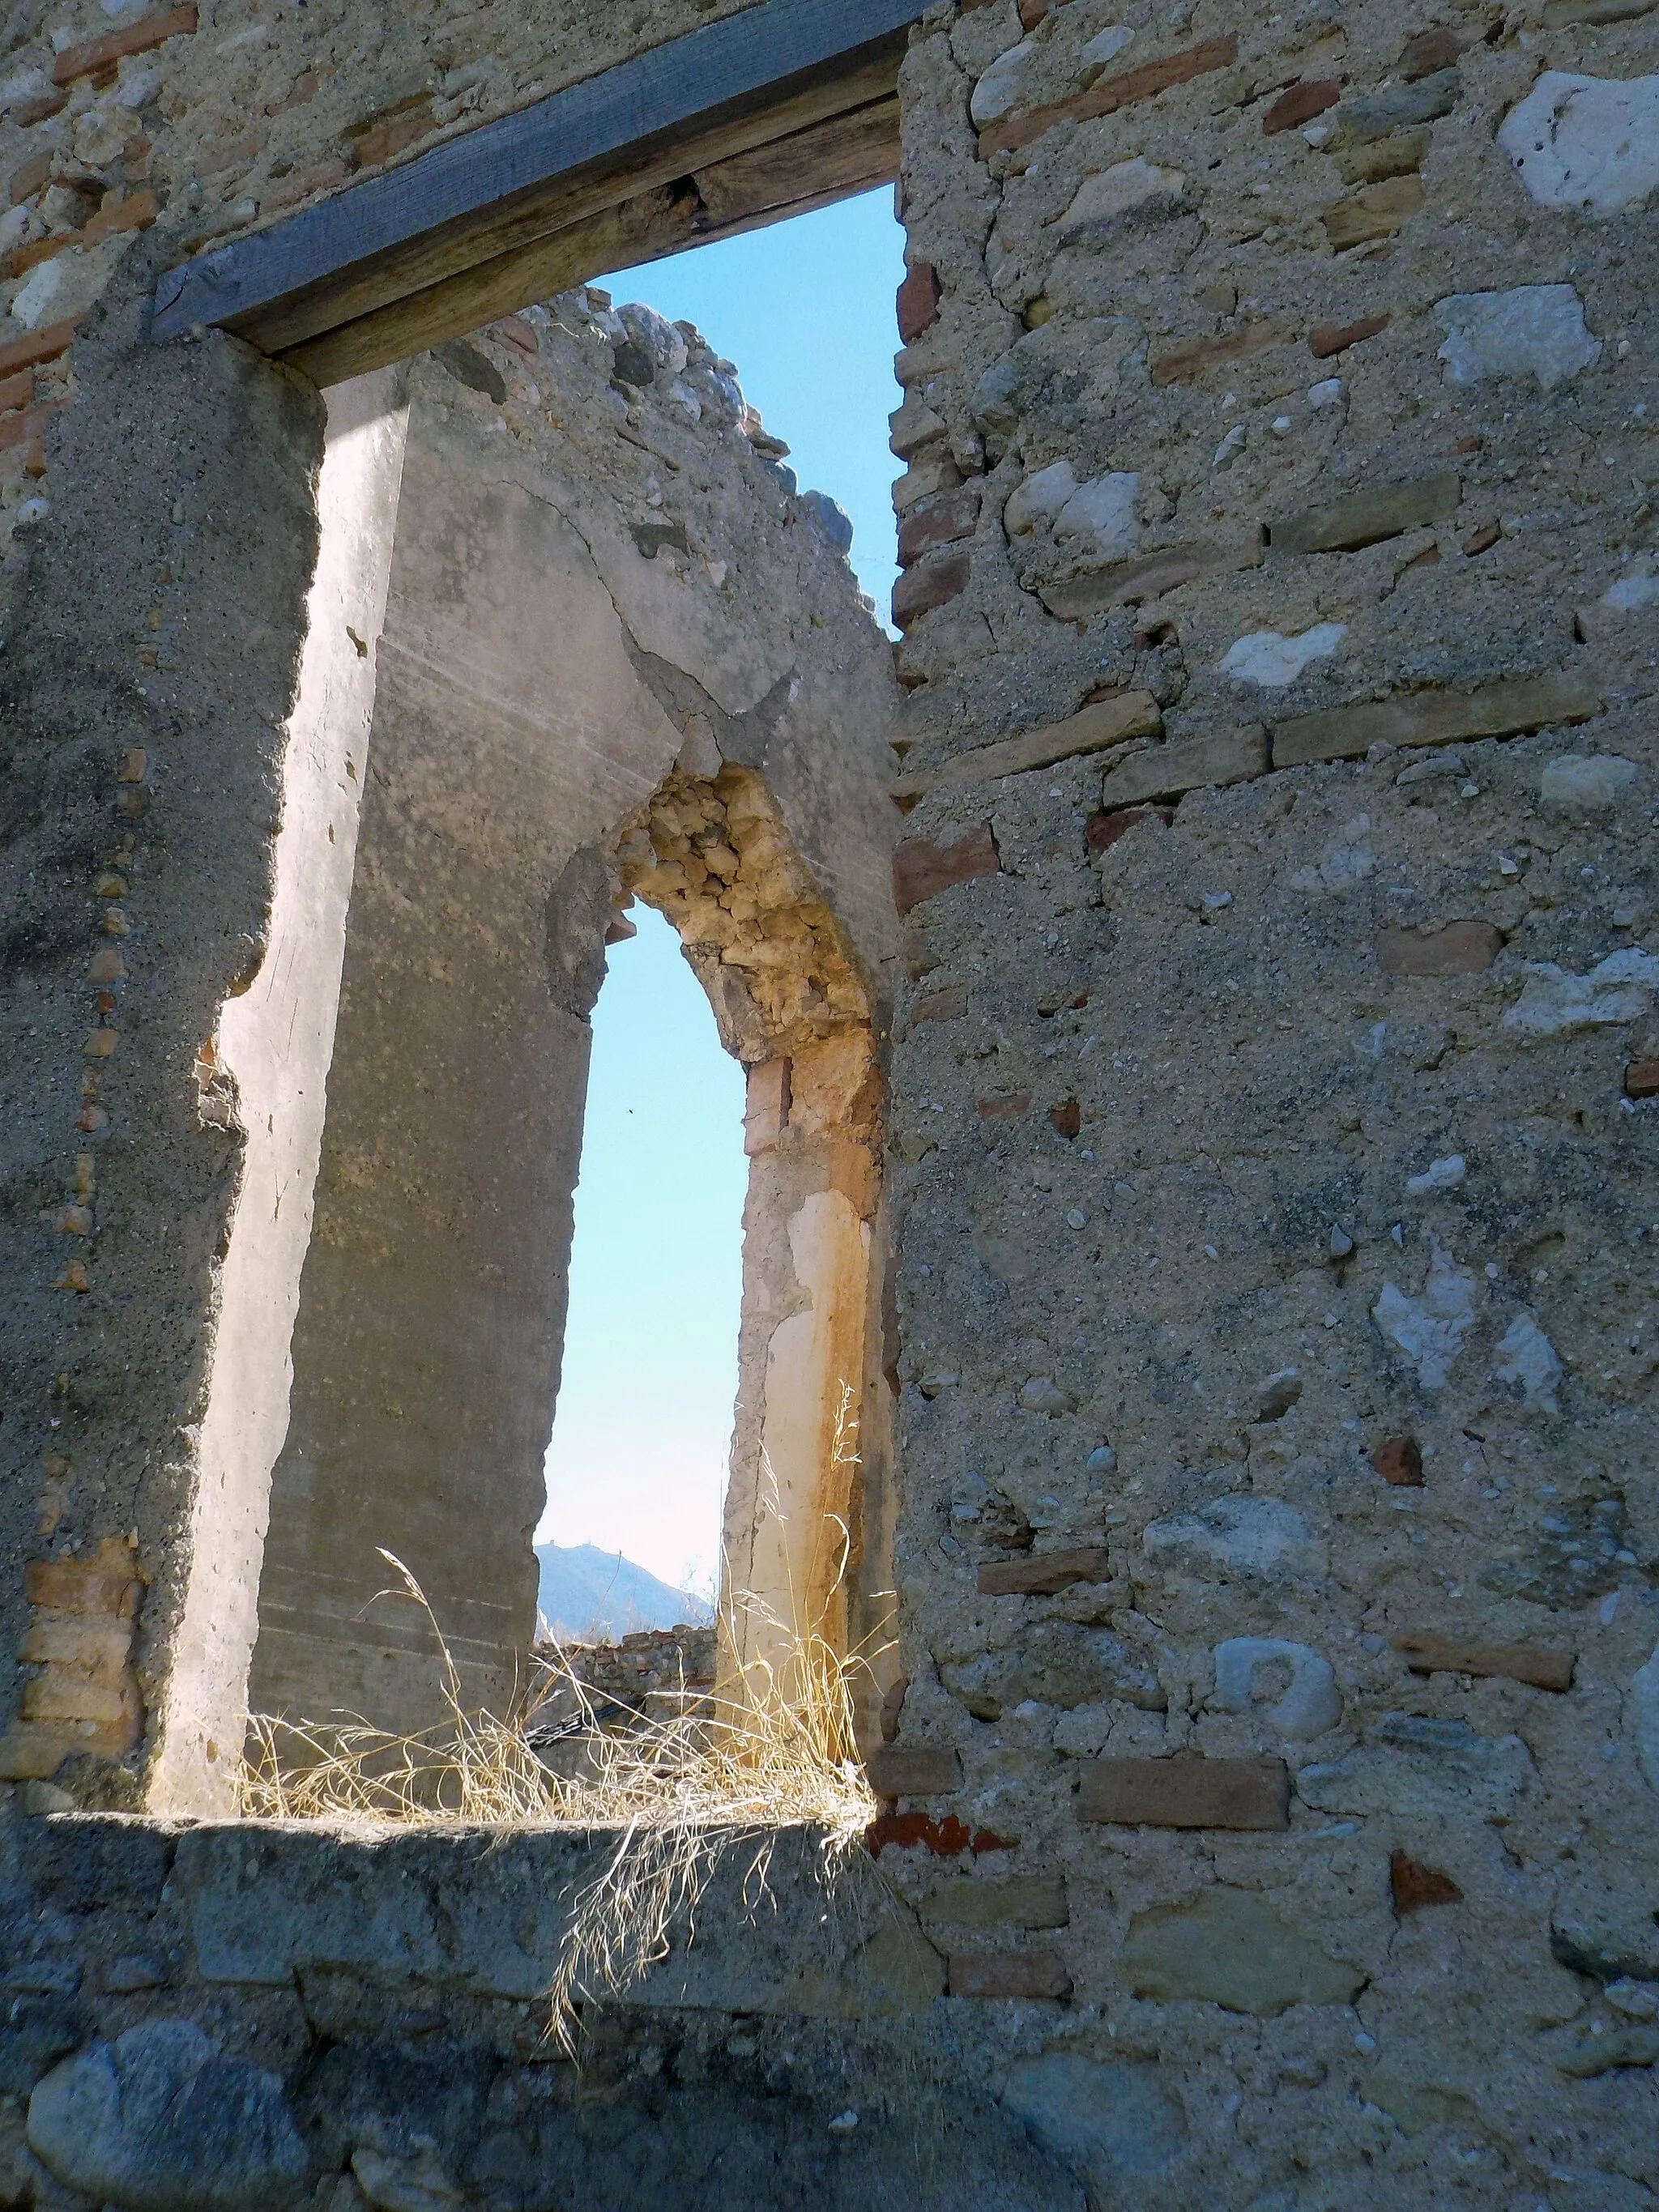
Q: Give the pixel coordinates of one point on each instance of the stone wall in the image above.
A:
(1272, 1760)
(1276, 1293)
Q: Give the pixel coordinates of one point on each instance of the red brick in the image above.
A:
(946, 1839)
(518, 332)
(22, 429)
(919, 296)
(1066, 1119)
(39, 111)
(15, 392)
(1180, 364)
(1108, 93)
(122, 211)
(299, 183)
(1434, 49)
(38, 346)
(1044, 1574)
(1299, 104)
(1428, 1654)
(926, 1771)
(1457, 948)
(28, 180)
(1031, 12)
(924, 866)
(1103, 830)
(941, 523)
(1008, 1107)
(1642, 1079)
(1326, 338)
(1186, 1793)
(1481, 538)
(932, 584)
(1414, 1885)
(378, 137)
(1009, 1974)
(94, 54)
(1398, 1462)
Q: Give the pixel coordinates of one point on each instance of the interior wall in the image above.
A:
(546, 659)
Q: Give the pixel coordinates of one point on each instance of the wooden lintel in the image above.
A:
(850, 154)
(729, 87)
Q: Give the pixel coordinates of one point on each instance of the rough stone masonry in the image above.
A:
(1271, 1767)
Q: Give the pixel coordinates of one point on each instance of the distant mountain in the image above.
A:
(589, 1596)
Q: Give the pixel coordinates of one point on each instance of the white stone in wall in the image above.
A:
(998, 92)
(1555, 1003)
(1526, 1357)
(1430, 1327)
(1103, 509)
(1638, 587)
(1532, 330)
(1310, 1705)
(1439, 1175)
(1114, 191)
(1249, 1535)
(1105, 46)
(1587, 143)
(1642, 1713)
(1269, 657)
(1577, 783)
(1039, 499)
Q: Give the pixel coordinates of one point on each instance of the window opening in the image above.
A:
(636, 1468)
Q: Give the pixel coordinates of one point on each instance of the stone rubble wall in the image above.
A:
(204, 122)
(1272, 1130)
(286, 2018)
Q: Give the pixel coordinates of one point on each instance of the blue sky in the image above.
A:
(637, 1463)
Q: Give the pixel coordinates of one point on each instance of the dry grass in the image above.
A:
(698, 1775)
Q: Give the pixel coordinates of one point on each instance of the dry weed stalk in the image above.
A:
(775, 1749)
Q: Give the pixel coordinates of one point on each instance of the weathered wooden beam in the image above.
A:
(850, 154)
(768, 72)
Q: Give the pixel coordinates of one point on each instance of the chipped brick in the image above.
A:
(1457, 948)
(1299, 104)
(1218, 757)
(924, 1772)
(1108, 93)
(1009, 1108)
(1043, 1574)
(942, 523)
(1374, 212)
(102, 52)
(931, 584)
(918, 303)
(1414, 1885)
(1325, 339)
(1366, 518)
(1430, 1654)
(1065, 1119)
(924, 866)
(946, 1005)
(1186, 1793)
(1642, 1079)
(1014, 1900)
(1434, 49)
(1103, 830)
(1128, 583)
(946, 1839)
(1504, 709)
(1009, 1974)
(1196, 357)
(1113, 720)
(1398, 1461)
